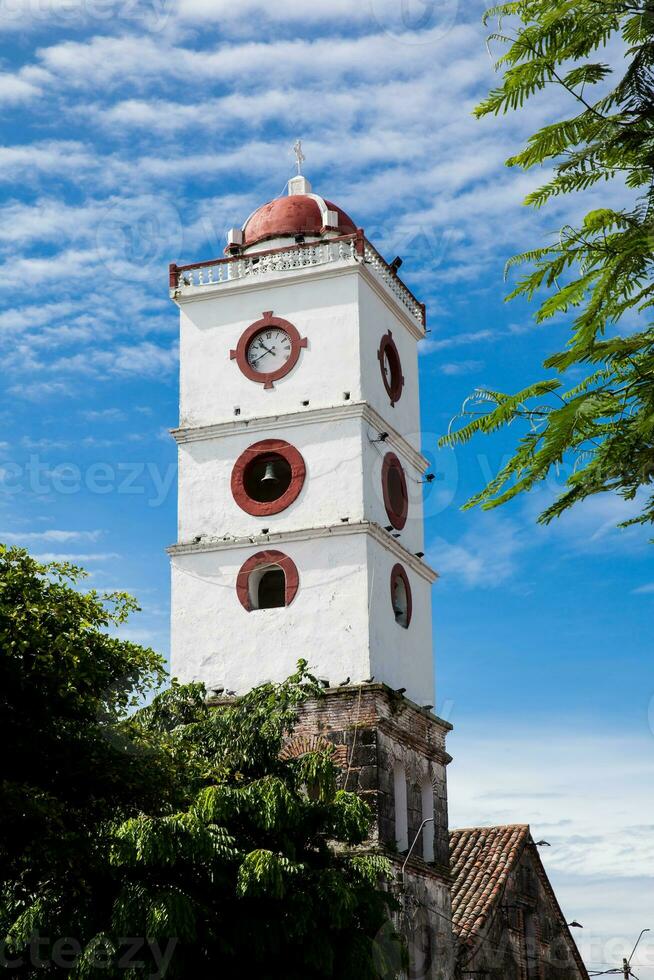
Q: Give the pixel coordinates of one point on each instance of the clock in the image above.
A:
(268, 349)
(391, 367)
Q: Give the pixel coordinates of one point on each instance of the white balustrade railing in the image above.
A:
(396, 286)
(297, 257)
(259, 265)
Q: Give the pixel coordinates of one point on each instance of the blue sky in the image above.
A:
(135, 133)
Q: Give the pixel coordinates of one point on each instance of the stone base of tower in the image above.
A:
(392, 752)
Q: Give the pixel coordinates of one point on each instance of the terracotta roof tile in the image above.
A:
(481, 858)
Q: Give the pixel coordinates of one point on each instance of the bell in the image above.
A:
(269, 474)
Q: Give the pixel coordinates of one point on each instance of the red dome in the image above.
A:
(297, 214)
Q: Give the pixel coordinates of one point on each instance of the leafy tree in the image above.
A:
(600, 272)
(65, 682)
(246, 872)
(178, 823)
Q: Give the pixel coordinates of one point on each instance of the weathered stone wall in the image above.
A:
(372, 729)
(526, 938)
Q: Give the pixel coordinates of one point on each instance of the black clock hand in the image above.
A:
(259, 357)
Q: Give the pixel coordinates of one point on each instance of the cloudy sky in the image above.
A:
(135, 133)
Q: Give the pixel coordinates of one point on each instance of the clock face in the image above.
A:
(269, 350)
(387, 368)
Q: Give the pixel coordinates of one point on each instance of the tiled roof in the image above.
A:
(481, 858)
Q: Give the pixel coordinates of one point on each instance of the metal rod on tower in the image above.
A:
(299, 155)
(415, 840)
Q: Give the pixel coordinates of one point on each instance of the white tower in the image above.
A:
(300, 472)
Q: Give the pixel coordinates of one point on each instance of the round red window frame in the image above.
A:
(388, 348)
(240, 355)
(397, 518)
(398, 571)
(288, 566)
(277, 447)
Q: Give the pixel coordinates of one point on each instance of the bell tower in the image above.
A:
(300, 529)
(300, 472)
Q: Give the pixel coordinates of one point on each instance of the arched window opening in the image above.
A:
(401, 596)
(401, 808)
(400, 602)
(267, 580)
(271, 589)
(427, 795)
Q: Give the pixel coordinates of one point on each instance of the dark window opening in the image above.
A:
(396, 489)
(267, 477)
(532, 948)
(392, 369)
(271, 593)
(400, 602)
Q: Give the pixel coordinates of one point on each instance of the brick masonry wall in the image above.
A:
(372, 728)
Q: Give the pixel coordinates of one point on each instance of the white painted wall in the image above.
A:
(321, 304)
(401, 657)
(376, 318)
(333, 487)
(343, 480)
(216, 640)
(411, 535)
(342, 620)
(341, 315)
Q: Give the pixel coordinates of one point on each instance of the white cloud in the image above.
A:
(76, 559)
(61, 537)
(463, 339)
(15, 89)
(570, 776)
(40, 444)
(48, 157)
(338, 12)
(590, 526)
(591, 796)
(111, 61)
(146, 360)
(105, 415)
(19, 318)
(645, 589)
(37, 391)
(461, 367)
(486, 555)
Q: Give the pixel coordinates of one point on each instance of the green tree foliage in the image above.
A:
(600, 273)
(65, 683)
(177, 823)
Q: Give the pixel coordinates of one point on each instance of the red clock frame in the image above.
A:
(240, 355)
(388, 349)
